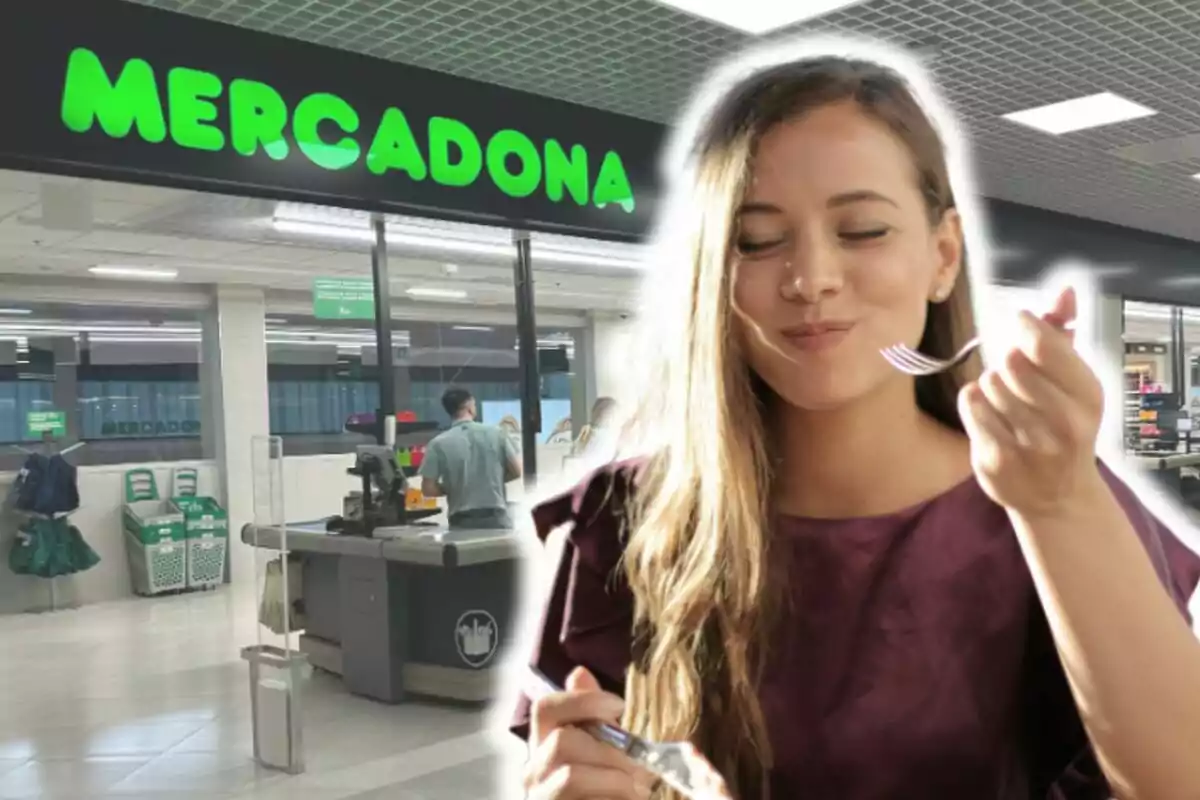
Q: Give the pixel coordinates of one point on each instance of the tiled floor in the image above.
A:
(150, 699)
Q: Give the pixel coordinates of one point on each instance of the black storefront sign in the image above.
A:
(119, 91)
(115, 90)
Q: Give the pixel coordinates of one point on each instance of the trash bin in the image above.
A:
(276, 676)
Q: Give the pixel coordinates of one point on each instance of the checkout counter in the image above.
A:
(1167, 469)
(1167, 454)
(411, 610)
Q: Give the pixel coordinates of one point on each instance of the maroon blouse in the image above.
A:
(917, 662)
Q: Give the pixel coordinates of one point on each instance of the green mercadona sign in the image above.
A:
(207, 112)
(45, 423)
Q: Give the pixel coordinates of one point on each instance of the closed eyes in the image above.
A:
(758, 247)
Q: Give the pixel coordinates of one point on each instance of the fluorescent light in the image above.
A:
(135, 272)
(1182, 281)
(480, 328)
(564, 257)
(1081, 113)
(430, 291)
(446, 243)
(275, 321)
(552, 345)
(346, 232)
(759, 16)
(343, 232)
(1113, 270)
(16, 311)
(144, 339)
(1152, 312)
(88, 328)
(1009, 254)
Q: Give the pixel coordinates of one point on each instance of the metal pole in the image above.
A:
(1178, 377)
(527, 356)
(383, 325)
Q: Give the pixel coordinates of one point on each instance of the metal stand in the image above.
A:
(527, 356)
(49, 449)
(383, 327)
(276, 673)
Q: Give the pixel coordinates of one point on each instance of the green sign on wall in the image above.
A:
(40, 423)
(343, 298)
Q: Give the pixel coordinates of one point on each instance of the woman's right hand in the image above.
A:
(566, 762)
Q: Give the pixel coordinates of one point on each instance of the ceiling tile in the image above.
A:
(204, 249)
(114, 244)
(113, 212)
(278, 254)
(27, 182)
(15, 234)
(16, 202)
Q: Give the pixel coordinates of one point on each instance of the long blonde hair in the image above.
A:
(697, 558)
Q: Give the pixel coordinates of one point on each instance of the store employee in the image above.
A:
(469, 466)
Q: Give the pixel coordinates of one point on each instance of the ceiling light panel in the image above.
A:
(135, 272)
(759, 16)
(436, 293)
(437, 236)
(1082, 113)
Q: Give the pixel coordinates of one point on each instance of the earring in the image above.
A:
(941, 294)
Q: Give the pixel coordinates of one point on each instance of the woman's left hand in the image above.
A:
(1033, 420)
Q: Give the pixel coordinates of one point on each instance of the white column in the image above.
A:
(1109, 344)
(235, 364)
(612, 343)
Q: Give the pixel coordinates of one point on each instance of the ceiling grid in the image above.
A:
(992, 57)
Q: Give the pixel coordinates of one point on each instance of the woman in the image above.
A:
(836, 580)
(597, 435)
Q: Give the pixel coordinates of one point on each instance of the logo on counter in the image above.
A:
(476, 635)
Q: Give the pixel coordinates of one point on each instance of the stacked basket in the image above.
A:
(206, 529)
(173, 544)
(154, 537)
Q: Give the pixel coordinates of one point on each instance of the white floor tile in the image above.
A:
(45, 779)
(7, 765)
(149, 699)
(198, 772)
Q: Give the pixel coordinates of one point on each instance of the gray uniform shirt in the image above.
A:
(469, 461)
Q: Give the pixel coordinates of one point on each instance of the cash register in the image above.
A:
(385, 498)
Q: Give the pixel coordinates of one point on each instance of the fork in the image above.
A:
(677, 764)
(914, 362)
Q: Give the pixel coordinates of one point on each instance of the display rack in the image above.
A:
(49, 449)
